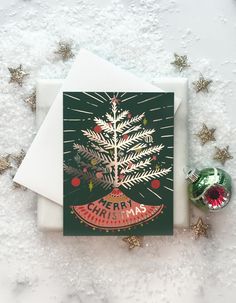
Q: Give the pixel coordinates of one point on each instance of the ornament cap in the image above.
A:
(193, 175)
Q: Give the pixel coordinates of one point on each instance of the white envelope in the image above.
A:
(45, 156)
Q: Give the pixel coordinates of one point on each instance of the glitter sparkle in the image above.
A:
(206, 134)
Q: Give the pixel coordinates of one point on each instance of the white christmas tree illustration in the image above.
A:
(119, 151)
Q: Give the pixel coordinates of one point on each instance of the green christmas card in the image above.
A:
(118, 163)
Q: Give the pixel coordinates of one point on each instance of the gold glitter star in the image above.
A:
(206, 134)
(18, 158)
(64, 50)
(17, 75)
(31, 100)
(180, 62)
(133, 241)
(222, 155)
(200, 228)
(201, 84)
(4, 163)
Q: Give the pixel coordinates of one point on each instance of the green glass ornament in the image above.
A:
(209, 188)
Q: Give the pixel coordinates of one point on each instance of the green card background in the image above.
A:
(76, 121)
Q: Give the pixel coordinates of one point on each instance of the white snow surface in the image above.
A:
(47, 267)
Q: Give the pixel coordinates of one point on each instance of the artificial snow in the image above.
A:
(47, 267)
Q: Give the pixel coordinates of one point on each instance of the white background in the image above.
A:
(140, 36)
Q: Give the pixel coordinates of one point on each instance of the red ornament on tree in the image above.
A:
(155, 184)
(125, 137)
(99, 174)
(130, 165)
(97, 129)
(75, 181)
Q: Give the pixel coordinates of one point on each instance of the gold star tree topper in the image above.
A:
(206, 134)
(4, 163)
(133, 241)
(17, 75)
(200, 228)
(180, 62)
(202, 84)
(31, 100)
(222, 155)
(64, 50)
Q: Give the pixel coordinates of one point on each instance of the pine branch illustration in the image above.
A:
(106, 181)
(98, 138)
(126, 124)
(132, 129)
(114, 107)
(104, 125)
(92, 154)
(71, 170)
(88, 165)
(109, 117)
(99, 148)
(136, 137)
(137, 146)
(122, 115)
(137, 166)
(135, 157)
(145, 176)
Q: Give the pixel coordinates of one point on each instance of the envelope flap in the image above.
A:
(41, 170)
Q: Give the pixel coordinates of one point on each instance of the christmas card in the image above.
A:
(118, 163)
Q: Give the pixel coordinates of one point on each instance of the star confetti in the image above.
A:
(64, 50)
(133, 241)
(31, 100)
(222, 155)
(180, 62)
(206, 134)
(18, 186)
(200, 228)
(202, 84)
(18, 158)
(4, 163)
(17, 75)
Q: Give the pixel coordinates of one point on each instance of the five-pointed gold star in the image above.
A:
(17, 75)
(202, 84)
(64, 50)
(133, 241)
(200, 228)
(31, 100)
(222, 155)
(4, 163)
(206, 134)
(18, 158)
(180, 62)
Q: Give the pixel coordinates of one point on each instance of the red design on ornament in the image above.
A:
(216, 196)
